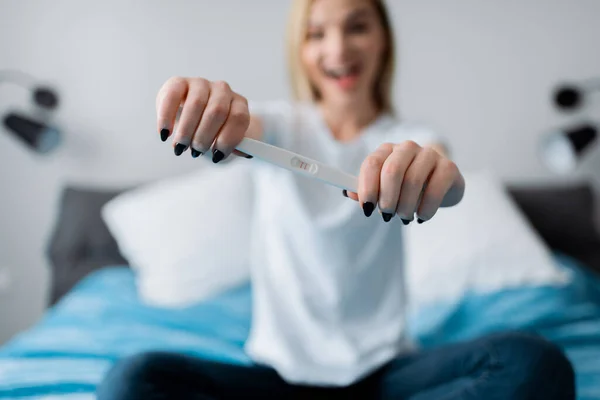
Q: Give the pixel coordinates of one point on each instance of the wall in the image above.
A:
(481, 72)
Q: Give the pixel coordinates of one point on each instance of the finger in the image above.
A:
(414, 180)
(233, 130)
(241, 154)
(169, 97)
(191, 113)
(214, 116)
(350, 195)
(176, 125)
(392, 175)
(440, 182)
(368, 178)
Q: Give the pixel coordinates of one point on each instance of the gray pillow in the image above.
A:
(80, 242)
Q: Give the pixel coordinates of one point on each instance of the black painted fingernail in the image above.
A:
(196, 153)
(368, 208)
(420, 221)
(179, 149)
(164, 134)
(406, 221)
(387, 216)
(218, 155)
(345, 193)
(249, 157)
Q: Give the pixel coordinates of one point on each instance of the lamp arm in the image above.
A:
(17, 78)
(43, 96)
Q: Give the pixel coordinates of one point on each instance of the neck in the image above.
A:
(346, 121)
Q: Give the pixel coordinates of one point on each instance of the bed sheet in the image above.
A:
(66, 355)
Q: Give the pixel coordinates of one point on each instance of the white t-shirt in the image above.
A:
(328, 283)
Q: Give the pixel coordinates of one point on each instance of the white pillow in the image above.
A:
(186, 237)
(483, 244)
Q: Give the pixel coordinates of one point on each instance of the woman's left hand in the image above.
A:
(407, 179)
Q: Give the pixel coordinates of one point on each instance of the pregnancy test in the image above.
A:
(298, 164)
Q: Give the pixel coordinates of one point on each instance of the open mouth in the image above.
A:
(345, 76)
(342, 72)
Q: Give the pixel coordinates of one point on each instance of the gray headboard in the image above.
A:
(81, 242)
(564, 218)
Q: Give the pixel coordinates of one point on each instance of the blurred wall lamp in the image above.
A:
(33, 132)
(562, 149)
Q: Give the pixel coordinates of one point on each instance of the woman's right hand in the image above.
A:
(213, 117)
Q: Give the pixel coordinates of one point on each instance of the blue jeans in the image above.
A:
(503, 366)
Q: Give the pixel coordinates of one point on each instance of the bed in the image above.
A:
(95, 316)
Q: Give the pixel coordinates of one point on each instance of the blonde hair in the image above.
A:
(302, 89)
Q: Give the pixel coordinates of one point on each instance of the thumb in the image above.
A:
(350, 195)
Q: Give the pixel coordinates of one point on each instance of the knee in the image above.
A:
(137, 366)
(531, 351)
(127, 378)
(537, 360)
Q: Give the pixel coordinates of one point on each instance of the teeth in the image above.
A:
(340, 72)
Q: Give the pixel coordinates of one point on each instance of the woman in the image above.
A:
(327, 274)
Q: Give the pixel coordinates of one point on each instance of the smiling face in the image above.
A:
(343, 51)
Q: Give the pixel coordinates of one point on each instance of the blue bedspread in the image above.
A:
(67, 353)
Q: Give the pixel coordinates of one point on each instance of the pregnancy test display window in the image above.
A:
(303, 165)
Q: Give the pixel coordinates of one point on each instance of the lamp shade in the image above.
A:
(562, 149)
(568, 97)
(45, 97)
(39, 136)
